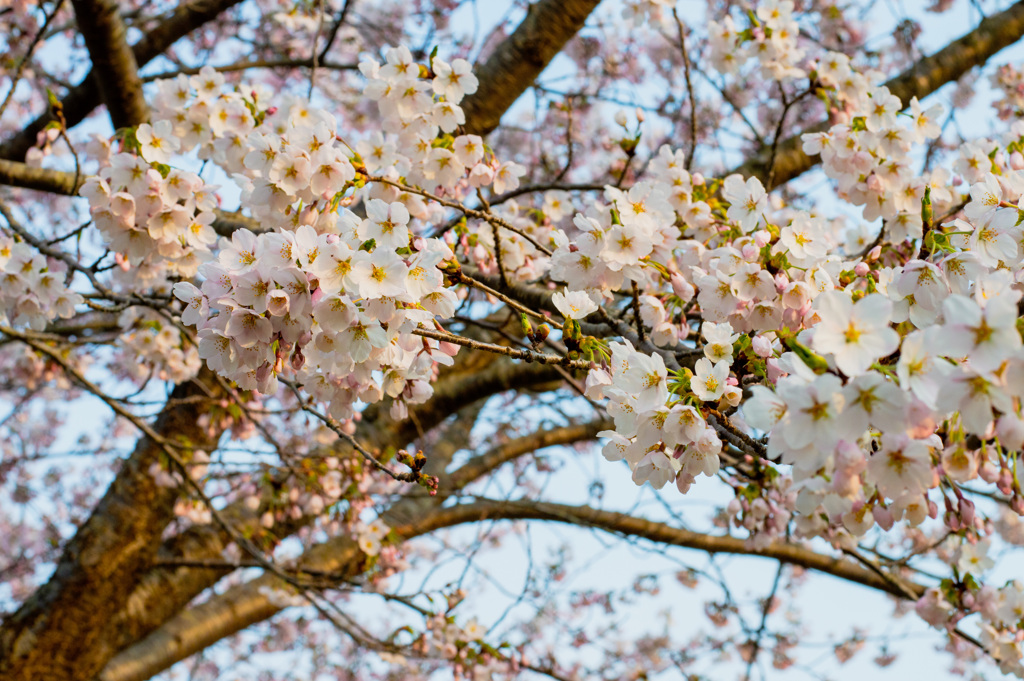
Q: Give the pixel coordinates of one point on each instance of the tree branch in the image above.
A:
(113, 62)
(925, 77)
(520, 58)
(163, 593)
(246, 604)
(80, 101)
(52, 634)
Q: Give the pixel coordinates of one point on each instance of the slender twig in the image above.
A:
(636, 314)
(515, 353)
(531, 188)
(765, 611)
(464, 278)
(787, 104)
(305, 62)
(314, 55)
(331, 423)
(497, 240)
(23, 62)
(333, 34)
(465, 210)
(689, 89)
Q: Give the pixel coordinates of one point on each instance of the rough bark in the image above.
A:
(520, 58)
(246, 604)
(925, 77)
(164, 592)
(18, 174)
(113, 62)
(52, 635)
(82, 99)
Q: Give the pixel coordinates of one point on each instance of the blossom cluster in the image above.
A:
(771, 39)
(869, 154)
(331, 296)
(661, 443)
(1009, 81)
(169, 357)
(33, 288)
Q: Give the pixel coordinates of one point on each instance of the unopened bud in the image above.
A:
(762, 346)
(883, 517)
(682, 288)
(966, 508)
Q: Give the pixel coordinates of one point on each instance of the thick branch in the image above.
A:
(17, 174)
(520, 58)
(113, 62)
(479, 466)
(246, 604)
(925, 77)
(80, 101)
(632, 526)
(163, 593)
(52, 635)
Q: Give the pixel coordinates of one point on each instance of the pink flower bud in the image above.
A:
(861, 269)
(762, 346)
(952, 522)
(682, 288)
(874, 253)
(1005, 481)
(966, 508)
(750, 252)
(309, 216)
(883, 517)
(762, 238)
(734, 507)
(1017, 160)
(697, 179)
